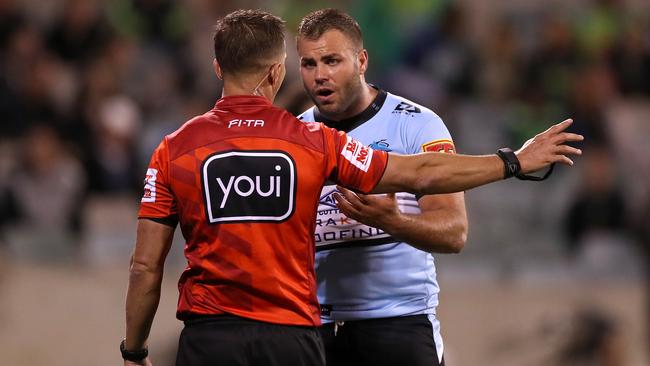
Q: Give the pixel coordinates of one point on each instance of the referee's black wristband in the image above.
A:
(512, 167)
(510, 162)
(133, 356)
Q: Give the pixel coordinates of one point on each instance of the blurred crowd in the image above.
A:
(88, 88)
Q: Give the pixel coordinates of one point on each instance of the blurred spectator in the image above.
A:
(24, 46)
(630, 61)
(441, 53)
(159, 26)
(596, 220)
(43, 197)
(599, 24)
(550, 66)
(500, 63)
(113, 150)
(164, 22)
(642, 226)
(80, 33)
(592, 92)
(595, 339)
(11, 18)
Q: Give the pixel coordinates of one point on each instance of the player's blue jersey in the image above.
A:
(362, 271)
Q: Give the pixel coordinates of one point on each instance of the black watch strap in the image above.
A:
(137, 355)
(513, 167)
(510, 162)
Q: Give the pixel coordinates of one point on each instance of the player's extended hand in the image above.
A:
(548, 147)
(373, 210)
(145, 362)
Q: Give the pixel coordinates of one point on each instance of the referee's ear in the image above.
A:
(362, 58)
(217, 69)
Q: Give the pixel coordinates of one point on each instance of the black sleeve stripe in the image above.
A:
(171, 221)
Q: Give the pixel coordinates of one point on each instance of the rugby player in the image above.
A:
(376, 273)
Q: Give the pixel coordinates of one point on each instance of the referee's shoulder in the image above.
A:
(189, 127)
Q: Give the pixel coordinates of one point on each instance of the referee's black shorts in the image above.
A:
(398, 341)
(226, 340)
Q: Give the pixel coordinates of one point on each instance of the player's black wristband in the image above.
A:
(134, 356)
(513, 167)
(510, 162)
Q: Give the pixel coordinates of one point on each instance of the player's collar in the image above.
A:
(349, 124)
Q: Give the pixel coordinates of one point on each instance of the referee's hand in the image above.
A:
(144, 362)
(548, 147)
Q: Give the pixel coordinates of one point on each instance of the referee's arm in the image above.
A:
(432, 173)
(145, 278)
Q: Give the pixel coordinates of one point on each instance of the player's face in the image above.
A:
(332, 69)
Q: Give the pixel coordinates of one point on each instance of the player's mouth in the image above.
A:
(324, 95)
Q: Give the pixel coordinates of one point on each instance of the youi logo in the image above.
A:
(249, 186)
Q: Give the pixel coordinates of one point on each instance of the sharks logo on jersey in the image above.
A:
(381, 145)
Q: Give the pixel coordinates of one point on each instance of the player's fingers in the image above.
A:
(350, 196)
(340, 200)
(391, 196)
(363, 198)
(344, 205)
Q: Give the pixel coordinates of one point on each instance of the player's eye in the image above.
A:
(332, 61)
(307, 63)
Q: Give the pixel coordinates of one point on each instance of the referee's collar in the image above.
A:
(349, 124)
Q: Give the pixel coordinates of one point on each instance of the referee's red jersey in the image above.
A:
(243, 181)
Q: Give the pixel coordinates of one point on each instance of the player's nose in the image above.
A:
(320, 74)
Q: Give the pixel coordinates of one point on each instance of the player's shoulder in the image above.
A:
(308, 115)
(401, 106)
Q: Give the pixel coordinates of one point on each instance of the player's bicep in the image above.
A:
(431, 135)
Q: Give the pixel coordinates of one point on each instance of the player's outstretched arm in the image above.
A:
(430, 173)
(145, 277)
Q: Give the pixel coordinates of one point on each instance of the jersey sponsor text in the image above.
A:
(266, 193)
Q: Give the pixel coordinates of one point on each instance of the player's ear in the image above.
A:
(362, 58)
(217, 69)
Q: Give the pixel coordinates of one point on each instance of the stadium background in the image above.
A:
(552, 273)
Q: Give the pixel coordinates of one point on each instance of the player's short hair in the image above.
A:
(248, 40)
(314, 24)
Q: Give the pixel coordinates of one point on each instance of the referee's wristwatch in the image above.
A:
(512, 167)
(133, 355)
